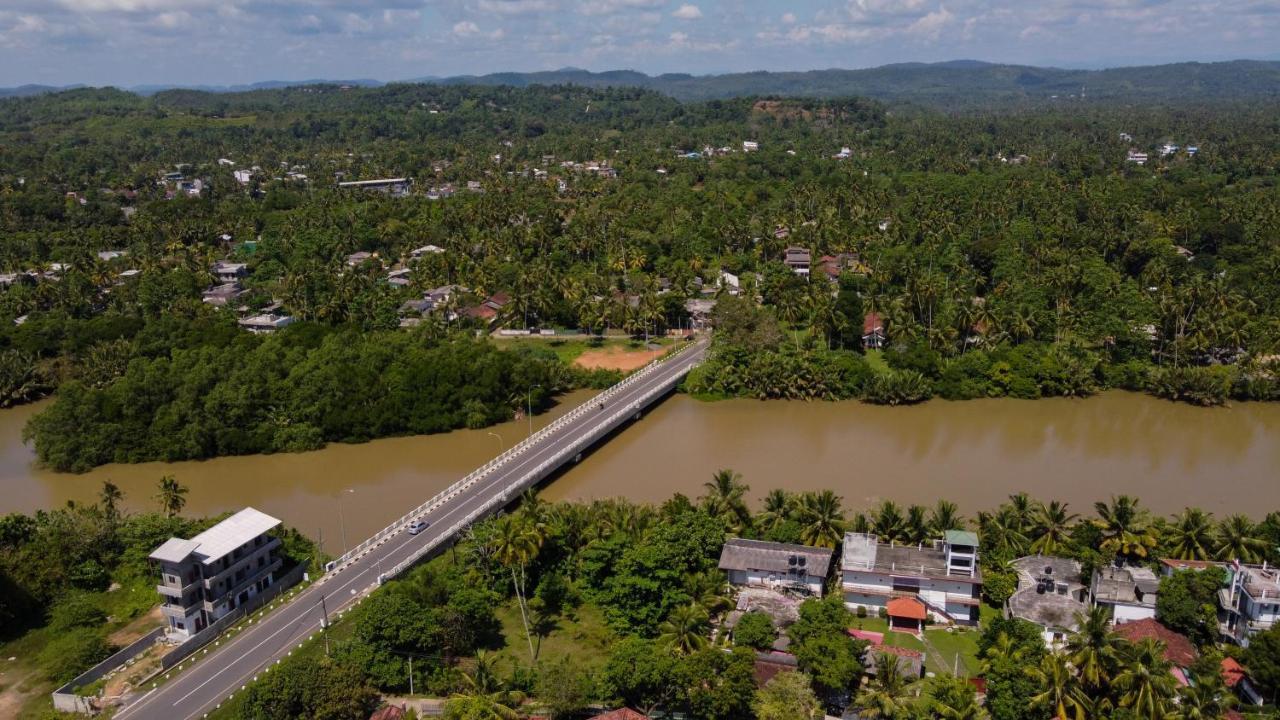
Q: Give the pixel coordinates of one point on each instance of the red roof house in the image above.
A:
(873, 335)
(906, 614)
(1232, 672)
(623, 713)
(388, 712)
(1177, 648)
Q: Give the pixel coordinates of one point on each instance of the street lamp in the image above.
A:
(529, 408)
(342, 521)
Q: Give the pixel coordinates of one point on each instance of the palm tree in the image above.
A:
(945, 516)
(685, 630)
(778, 506)
(1005, 651)
(516, 545)
(1207, 699)
(1022, 509)
(888, 522)
(1191, 535)
(1062, 693)
(821, 519)
(708, 591)
(1001, 533)
(724, 499)
(1051, 527)
(886, 694)
(1143, 681)
(110, 497)
(1126, 530)
(1092, 649)
(485, 697)
(1237, 539)
(916, 525)
(953, 698)
(171, 495)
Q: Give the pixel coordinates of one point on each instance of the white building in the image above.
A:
(213, 573)
(1137, 158)
(750, 146)
(1051, 593)
(263, 324)
(943, 576)
(243, 176)
(229, 272)
(759, 563)
(1129, 592)
(1251, 601)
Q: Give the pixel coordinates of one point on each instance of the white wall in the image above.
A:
(1128, 613)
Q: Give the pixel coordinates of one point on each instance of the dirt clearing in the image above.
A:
(617, 358)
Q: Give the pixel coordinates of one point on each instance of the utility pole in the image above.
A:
(410, 674)
(324, 626)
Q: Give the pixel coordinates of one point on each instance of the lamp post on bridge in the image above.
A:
(529, 408)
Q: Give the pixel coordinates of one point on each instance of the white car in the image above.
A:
(418, 526)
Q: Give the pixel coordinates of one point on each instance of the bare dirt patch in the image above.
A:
(137, 628)
(616, 358)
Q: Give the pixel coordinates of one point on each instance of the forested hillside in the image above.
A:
(1023, 252)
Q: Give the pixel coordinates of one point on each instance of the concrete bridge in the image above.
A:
(198, 690)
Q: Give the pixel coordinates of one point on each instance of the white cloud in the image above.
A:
(608, 7)
(466, 28)
(788, 19)
(687, 12)
(515, 7)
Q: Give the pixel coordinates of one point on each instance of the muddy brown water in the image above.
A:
(975, 453)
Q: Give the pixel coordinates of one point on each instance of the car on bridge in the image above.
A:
(418, 526)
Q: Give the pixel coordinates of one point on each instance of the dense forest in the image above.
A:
(1002, 252)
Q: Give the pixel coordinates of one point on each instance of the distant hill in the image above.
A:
(960, 81)
(945, 84)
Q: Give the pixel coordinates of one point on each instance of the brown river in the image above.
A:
(975, 453)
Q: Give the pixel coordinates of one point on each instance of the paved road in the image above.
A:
(197, 690)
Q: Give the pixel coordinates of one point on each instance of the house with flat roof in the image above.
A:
(760, 563)
(392, 186)
(265, 323)
(229, 272)
(1251, 601)
(943, 576)
(1051, 593)
(1129, 592)
(213, 573)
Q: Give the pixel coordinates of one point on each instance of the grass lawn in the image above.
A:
(568, 350)
(580, 634)
(957, 643)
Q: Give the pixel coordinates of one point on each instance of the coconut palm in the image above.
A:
(1004, 651)
(171, 495)
(945, 516)
(1191, 535)
(953, 698)
(1022, 509)
(110, 497)
(886, 695)
(1062, 694)
(1143, 682)
(888, 522)
(1050, 527)
(1092, 649)
(1237, 539)
(916, 525)
(1000, 532)
(685, 629)
(1207, 699)
(1126, 529)
(516, 545)
(485, 698)
(778, 507)
(821, 520)
(724, 499)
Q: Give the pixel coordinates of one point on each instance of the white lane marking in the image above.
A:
(638, 391)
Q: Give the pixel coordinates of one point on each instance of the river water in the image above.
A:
(974, 453)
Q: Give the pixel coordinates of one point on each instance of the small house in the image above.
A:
(798, 260)
(1051, 594)
(1129, 592)
(873, 335)
(266, 323)
(760, 563)
(229, 272)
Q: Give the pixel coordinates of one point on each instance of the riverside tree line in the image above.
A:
(1006, 252)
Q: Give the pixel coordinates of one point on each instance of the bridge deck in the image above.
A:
(199, 689)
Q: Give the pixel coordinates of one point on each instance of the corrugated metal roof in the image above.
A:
(232, 533)
(740, 554)
(174, 550)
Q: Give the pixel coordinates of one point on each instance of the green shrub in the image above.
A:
(898, 387)
(1205, 386)
(75, 611)
(755, 629)
(71, 653)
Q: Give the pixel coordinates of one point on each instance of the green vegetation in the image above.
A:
(71, 578)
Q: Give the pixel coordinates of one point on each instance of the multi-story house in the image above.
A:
(944, 576)
(1128, 591)
(1251, 601)
(213, 573)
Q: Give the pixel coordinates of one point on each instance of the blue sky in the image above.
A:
(130, 42)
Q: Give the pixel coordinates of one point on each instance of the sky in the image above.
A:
(138, 42)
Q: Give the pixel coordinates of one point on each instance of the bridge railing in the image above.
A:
(517, 485)
(518, 449)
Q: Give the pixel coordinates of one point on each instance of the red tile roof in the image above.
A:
(871, 323)
(622, 714)
(909, 608)
(1177, 648)
(1232, 672)
(875, 638)
(899, 651)
(388, 712)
